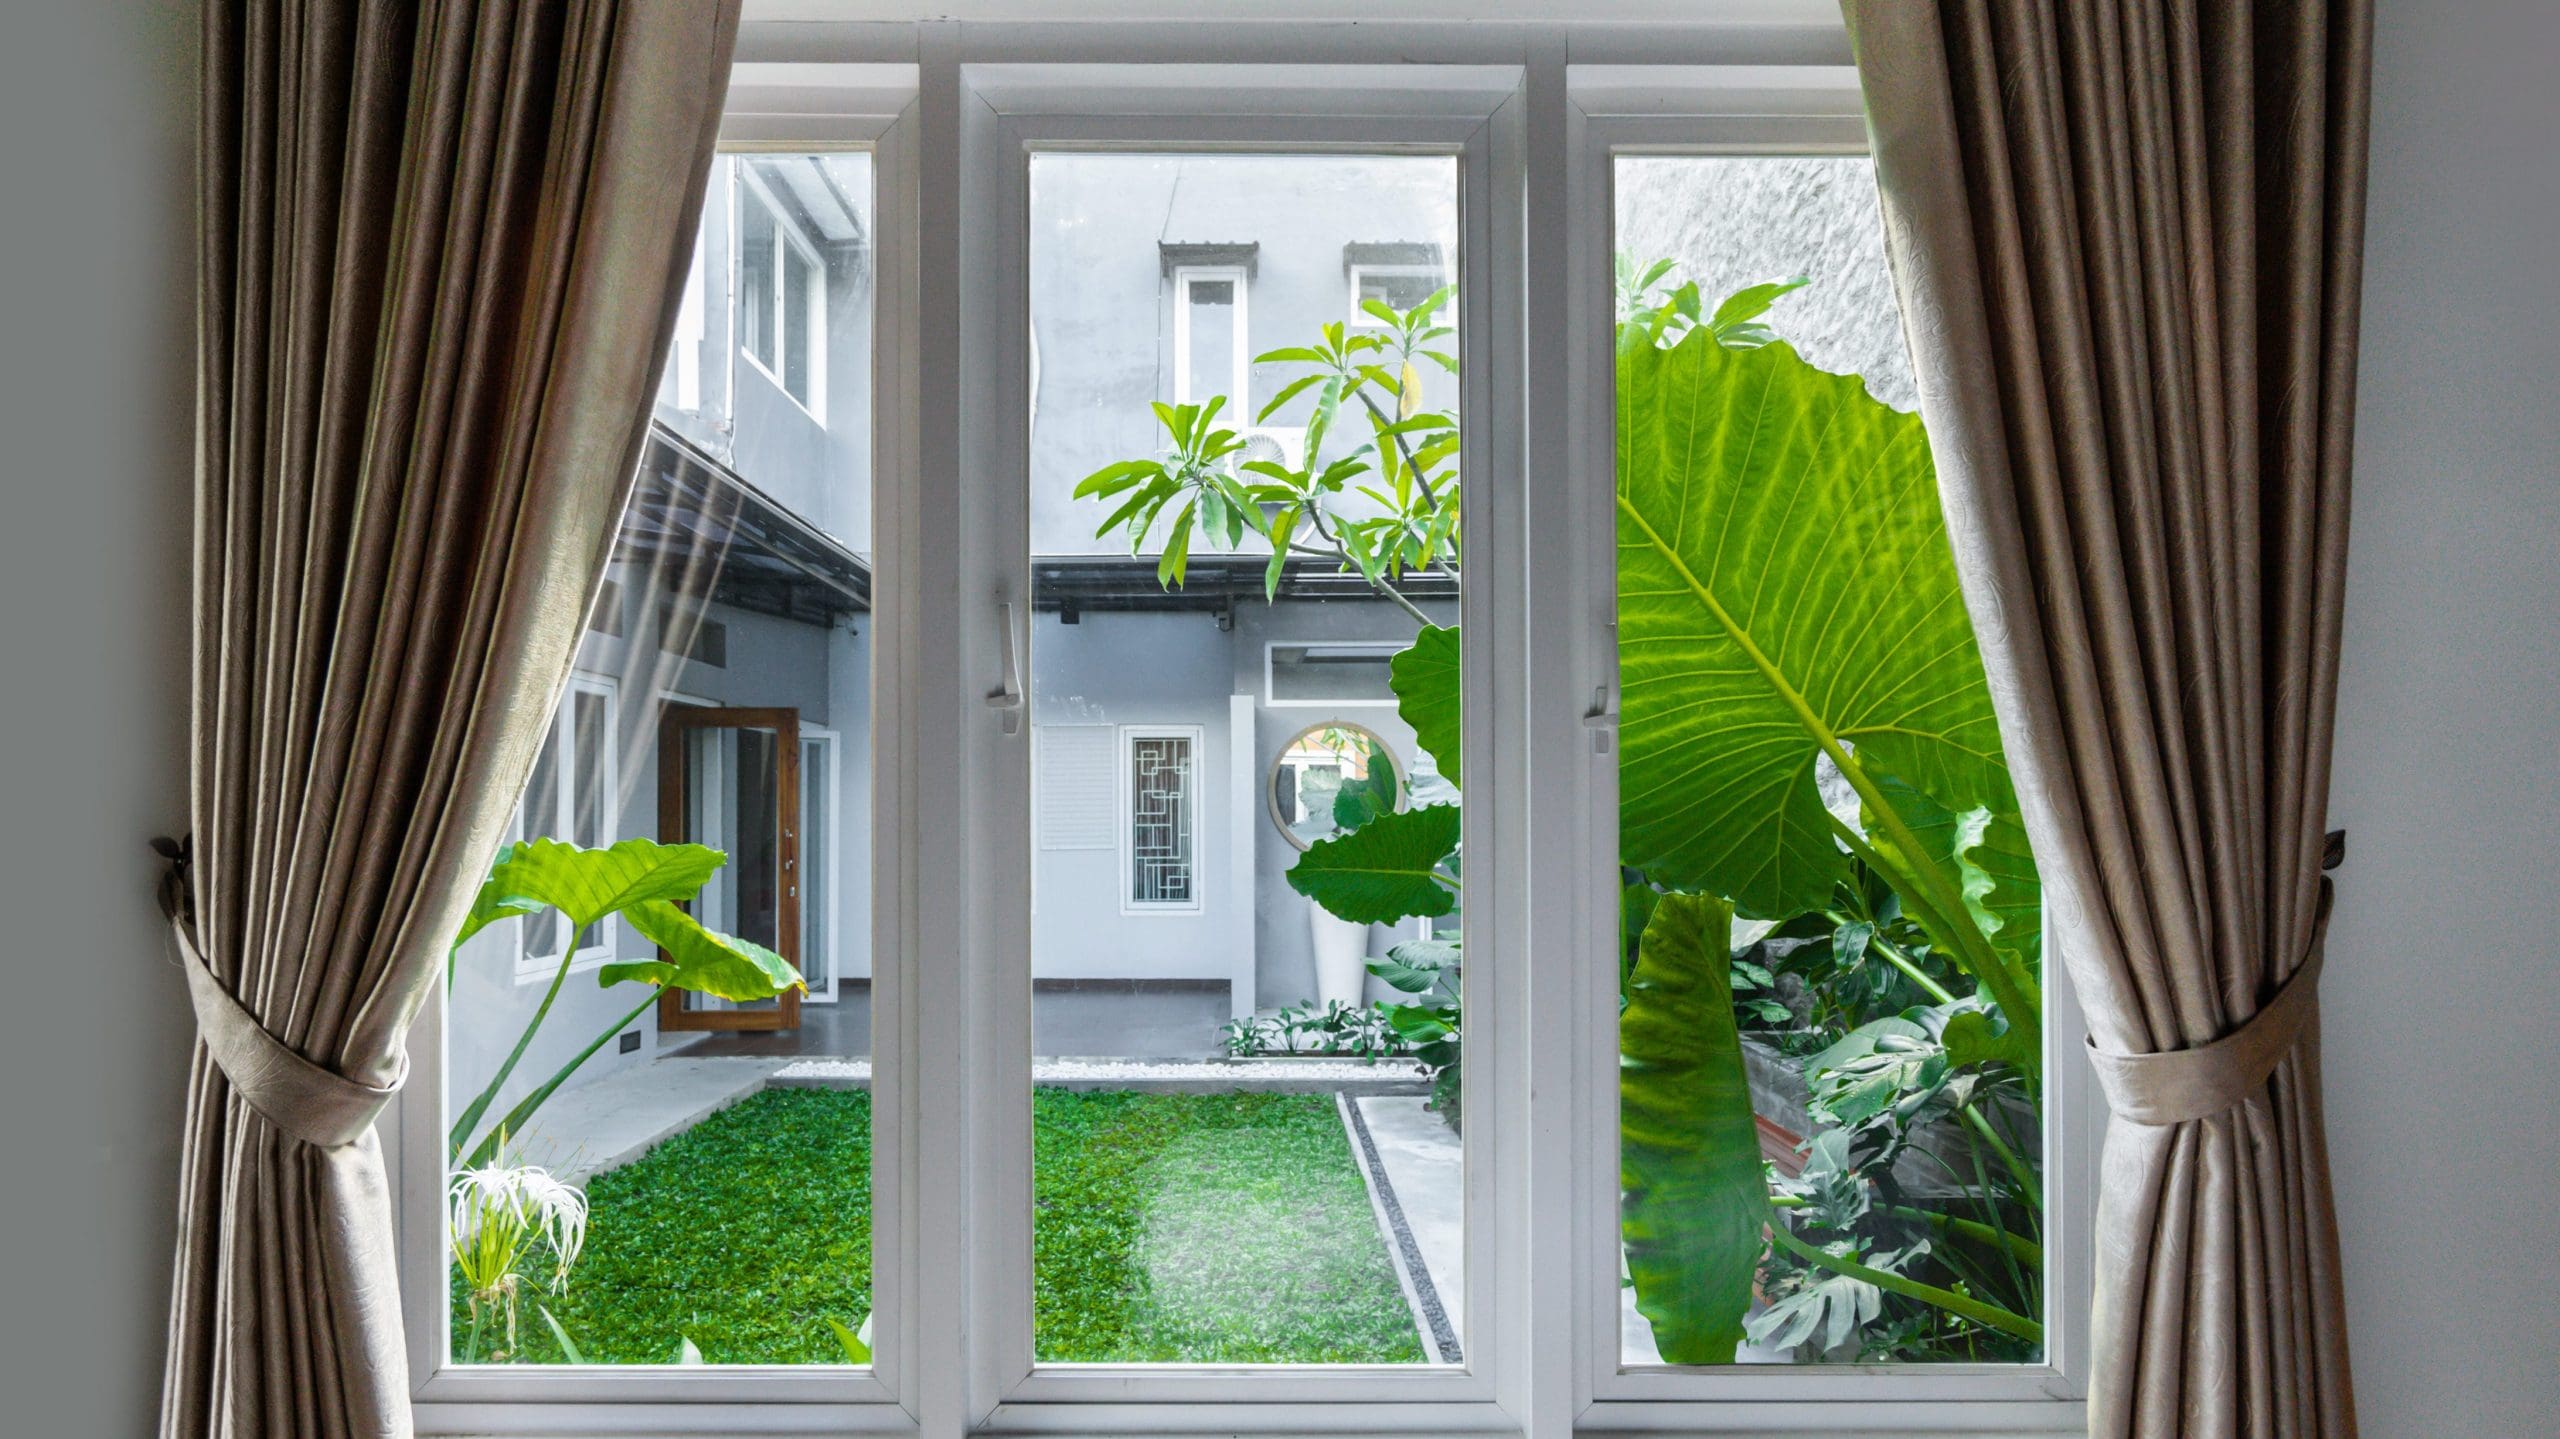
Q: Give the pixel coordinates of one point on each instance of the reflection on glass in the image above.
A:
(1829, 1034)
(1230, 488)
(620, 1194)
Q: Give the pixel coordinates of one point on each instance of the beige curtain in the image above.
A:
(2127, 237)
(441, 250)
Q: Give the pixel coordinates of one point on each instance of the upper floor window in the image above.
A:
(1395, 275)
(1210, 355)
(782, 295)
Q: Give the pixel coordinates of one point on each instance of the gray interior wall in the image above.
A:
(2440, 989)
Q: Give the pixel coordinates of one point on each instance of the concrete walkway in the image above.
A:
(1417, 1175)
(582, 1132)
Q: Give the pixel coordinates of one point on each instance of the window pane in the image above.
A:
(1210, 338)
(803, 300)
(1396, 287)
(538, 817)
(757, 281)
(722, 1215)
(1829, 1132)
(1160, 806)
(1285, 1209)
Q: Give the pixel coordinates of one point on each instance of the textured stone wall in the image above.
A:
(1733, 221)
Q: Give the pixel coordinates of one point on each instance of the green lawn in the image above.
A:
(1201, 1228)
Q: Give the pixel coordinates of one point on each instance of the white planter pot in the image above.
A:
(1342, 957)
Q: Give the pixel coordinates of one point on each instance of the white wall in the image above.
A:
(2443, 992)
(2443, 989)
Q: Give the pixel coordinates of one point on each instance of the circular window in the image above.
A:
(1328, 773)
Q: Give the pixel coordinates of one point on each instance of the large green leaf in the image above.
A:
(705, 961)
(587, 884)
(1424, 676)
(1784, 586)
(1388, 869)
(1988, 852)
(1694, 1200)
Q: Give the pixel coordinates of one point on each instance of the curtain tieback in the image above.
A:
(311, 1102)
(2177, 1085)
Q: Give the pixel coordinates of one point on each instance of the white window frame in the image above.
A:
(752, 190)
(1271, 694)
(565, 758)
(1240, 347)
(831, 103)
(1125, 748)
(827, 777)
(1361, 319)
(1533, 111)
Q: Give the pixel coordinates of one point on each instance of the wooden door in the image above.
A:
(730, 778)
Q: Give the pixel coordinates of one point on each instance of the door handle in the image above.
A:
(1006, 699)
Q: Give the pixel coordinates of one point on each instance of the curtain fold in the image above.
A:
(2127, 237)
(441, 248)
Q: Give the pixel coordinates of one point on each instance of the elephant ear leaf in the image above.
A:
(1784, 584)
(1695, 1202)
(703, 960)
(1388, 869)
(1424, 676)
(1986, 848)
(587, 884)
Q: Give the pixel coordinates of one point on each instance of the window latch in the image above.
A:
(1601, 719)
(1006, 699)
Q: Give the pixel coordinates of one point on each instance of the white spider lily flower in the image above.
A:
(498, 1216)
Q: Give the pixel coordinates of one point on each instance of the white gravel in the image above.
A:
(1158, 1071)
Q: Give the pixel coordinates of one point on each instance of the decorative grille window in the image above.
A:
(1162, 813)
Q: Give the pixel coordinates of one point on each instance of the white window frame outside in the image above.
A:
(752, 190)
(825, 777)
(1239, 408)
(566, 758)
(1533, 112)
(1361, 319)
(1271, 694)
(1125, 750)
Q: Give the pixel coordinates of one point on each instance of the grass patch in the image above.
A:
(1228, 1228)
(1207, 1228)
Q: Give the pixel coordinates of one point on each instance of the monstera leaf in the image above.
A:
(1389, 869)
(1784, 589)
(1694, 1200)
(1424, 676)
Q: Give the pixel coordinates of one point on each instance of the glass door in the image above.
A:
(730, 779)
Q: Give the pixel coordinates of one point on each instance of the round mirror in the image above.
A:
(1328, 774)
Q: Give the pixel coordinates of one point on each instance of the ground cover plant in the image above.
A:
(1207, 1228)
(1228, 1227)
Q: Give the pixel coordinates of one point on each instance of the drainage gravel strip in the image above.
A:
(1426, 1295)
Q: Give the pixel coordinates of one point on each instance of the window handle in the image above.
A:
(1006, 699)
(1602, 718)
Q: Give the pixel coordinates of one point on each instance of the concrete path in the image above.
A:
(1422, 1162)
(582, 1132)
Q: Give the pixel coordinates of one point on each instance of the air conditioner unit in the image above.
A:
(1282, 445)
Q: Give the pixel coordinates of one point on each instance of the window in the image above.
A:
(782, 295)
(1233, 1057)
(1347, 673)
(1161, 808)
(1397, 286)
(1210, 344)
(571, 796)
